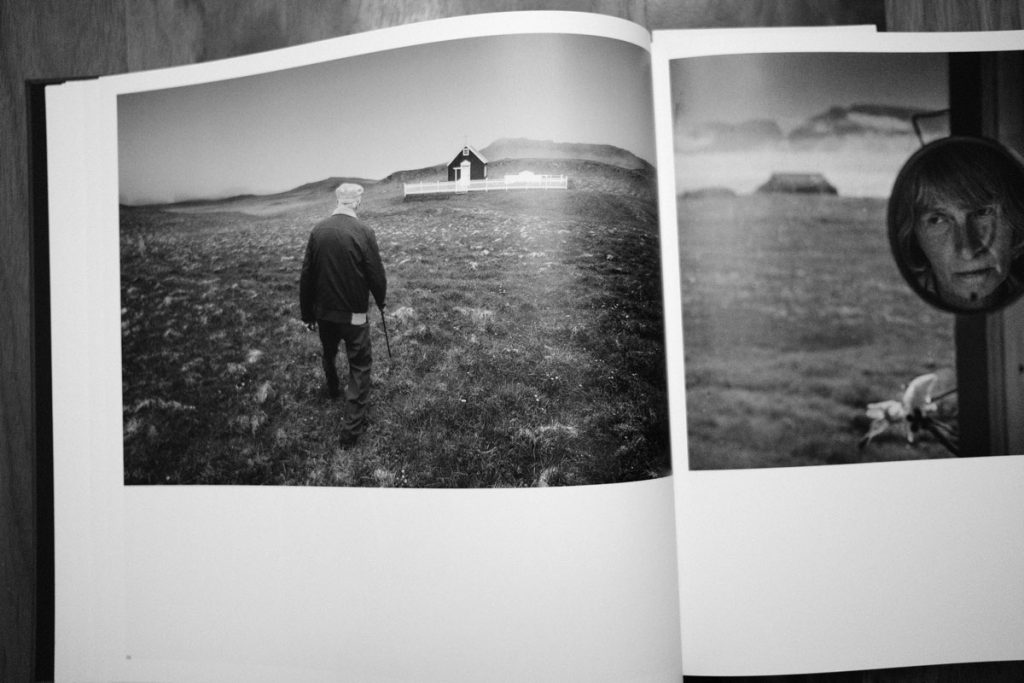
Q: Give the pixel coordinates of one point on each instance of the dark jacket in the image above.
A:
(341, 268)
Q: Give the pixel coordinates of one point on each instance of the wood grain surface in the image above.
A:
(57, 39)
(949, 15)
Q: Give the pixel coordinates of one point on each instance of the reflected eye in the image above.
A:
(934, 220)
(985, 212)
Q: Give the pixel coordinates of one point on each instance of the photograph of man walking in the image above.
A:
(341, 268)
(517, 245)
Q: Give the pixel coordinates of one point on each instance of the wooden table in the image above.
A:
(44, 40)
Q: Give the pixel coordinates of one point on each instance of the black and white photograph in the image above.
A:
(428, 267)
(804, 345)
(375, 354)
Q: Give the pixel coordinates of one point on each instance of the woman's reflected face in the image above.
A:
(956, 224)
(969, 248)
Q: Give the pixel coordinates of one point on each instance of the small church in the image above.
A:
(468, 164)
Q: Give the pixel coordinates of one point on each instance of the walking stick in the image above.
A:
(385, 324)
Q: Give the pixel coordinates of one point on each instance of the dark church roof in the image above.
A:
(472, 150)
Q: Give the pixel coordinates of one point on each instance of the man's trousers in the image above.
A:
(360, 359)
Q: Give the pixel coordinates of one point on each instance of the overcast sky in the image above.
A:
(371, 115)
(789, 88)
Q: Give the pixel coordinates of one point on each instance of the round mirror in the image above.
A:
(956, 224)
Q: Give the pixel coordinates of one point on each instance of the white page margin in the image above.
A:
(85, 320)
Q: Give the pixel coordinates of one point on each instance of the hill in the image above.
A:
(859, 148)
(524, 148)
(859, 122)
(602, 168)
(269, 204)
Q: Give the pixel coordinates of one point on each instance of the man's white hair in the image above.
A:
(348, 194)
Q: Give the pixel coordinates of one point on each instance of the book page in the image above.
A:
(210, 523)
(824, 520)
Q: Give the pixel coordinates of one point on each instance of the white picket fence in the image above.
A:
(522, 181)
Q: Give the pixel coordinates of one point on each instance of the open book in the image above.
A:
(650, 395)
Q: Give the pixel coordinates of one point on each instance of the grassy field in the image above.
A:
(526, 331)
(795, 318)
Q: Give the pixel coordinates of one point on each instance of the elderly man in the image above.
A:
(342, 267)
